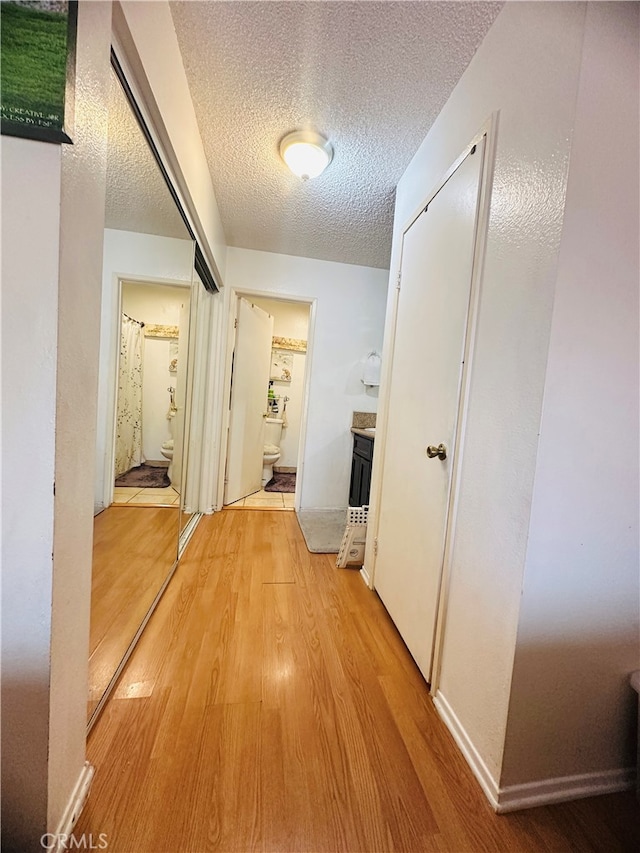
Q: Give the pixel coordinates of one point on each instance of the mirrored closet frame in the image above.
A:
(208, 280)
(200, 263)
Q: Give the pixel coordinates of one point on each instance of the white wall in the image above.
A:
(127, 256)
(81, 224)
(157, 304)
(571, 708)
(526, 70)
(562, 83)
(30, 233)
(350, 305)
(290, 320)
(52, 197)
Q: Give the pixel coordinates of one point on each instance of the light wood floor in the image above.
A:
(134, 549)
(271, 705)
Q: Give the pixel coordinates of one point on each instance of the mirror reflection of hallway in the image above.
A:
(151, 394)
(148, 262)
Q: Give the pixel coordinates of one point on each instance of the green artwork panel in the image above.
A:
(35, 41)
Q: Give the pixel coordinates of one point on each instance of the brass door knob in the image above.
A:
(440, 451)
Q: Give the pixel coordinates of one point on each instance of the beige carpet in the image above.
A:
(323, 529)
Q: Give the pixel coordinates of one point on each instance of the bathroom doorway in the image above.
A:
(281, 414)
(151, 393)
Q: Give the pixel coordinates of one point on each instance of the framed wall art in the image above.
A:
(293, 344)
(37, 58)
(281, 365)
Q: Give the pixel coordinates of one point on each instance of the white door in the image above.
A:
(437, 260)
(249, 388)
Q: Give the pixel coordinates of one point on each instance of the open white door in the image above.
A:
(435, 284)
(249, 387)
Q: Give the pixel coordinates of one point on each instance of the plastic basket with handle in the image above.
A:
(351, 551)
(357, 514)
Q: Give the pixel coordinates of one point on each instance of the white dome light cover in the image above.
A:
(306, 153)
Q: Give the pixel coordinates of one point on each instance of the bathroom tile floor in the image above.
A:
(147, 497)
(265, 500)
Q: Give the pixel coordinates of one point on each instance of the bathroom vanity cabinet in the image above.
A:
(361, 469)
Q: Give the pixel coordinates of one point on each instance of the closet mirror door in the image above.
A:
(143, 395)
(195, 461)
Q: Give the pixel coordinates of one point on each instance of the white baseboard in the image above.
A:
(474, 760)
(74, 807)
(561, 789)
(187, 532)
(531, 794)
(364, 574)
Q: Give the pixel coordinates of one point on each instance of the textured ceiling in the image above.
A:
(137, 196)
(370, 76)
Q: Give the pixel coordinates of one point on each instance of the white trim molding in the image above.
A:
(563, 788)
(74, 807)
(471, 754)
(364, 574)
(531, 794)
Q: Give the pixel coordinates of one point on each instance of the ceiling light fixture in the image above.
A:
(306, 153)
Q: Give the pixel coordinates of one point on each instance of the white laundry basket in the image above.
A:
(351, 551)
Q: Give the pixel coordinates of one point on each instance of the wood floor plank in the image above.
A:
(116, 804)
(271, 706)
(409, 717)
(412, 826)
(277, 834)
(287, 687)
(312, 716)
(241, 676)
(359, 783)
(133, 551)
(170, 779)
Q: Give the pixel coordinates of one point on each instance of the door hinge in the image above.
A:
(235, 323)
(375, 546)
(398, 280)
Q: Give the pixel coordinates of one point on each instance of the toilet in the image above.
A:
(167, 452)
(167, 447)
(271, 453)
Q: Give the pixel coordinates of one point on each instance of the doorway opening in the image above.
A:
(151, 387)
(267, 402)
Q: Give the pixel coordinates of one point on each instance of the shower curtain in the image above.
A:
(129, 418)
